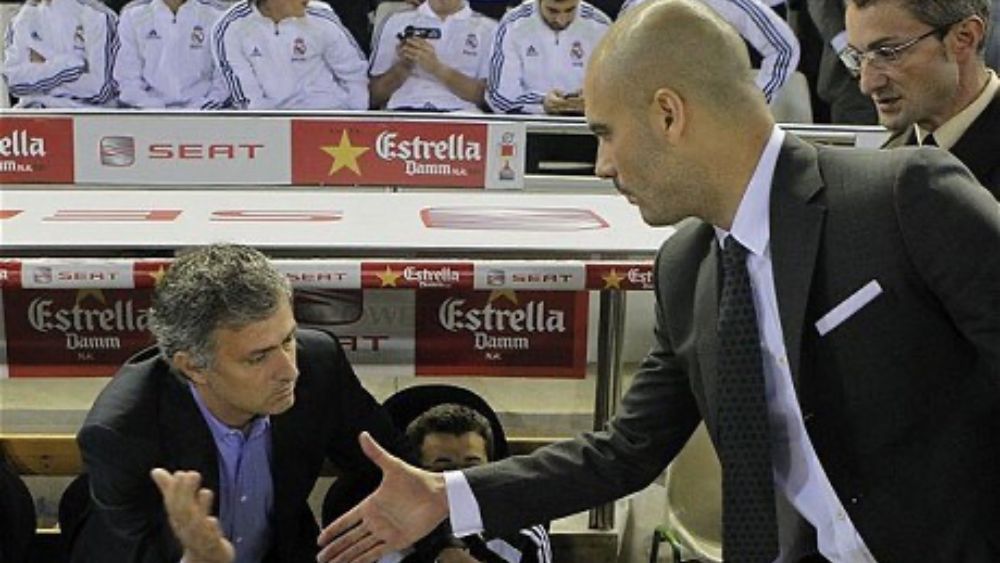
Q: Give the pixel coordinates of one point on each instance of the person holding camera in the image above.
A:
(432, 58)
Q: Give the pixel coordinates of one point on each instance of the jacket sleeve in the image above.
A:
(657, 417)
(245, 91)
(768, 34)
(347, 62)
(97, 85)
(506, 91)
(133, 89)
(126, 499)
(27, 78)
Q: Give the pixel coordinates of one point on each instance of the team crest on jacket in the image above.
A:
(197, 37)
(152, 34)
(532, 52)
(299, 49)
(78, 38)
(576, 52)
(471, 41)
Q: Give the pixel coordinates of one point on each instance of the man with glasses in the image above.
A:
(921, 61)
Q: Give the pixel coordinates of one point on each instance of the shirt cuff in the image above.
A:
(839, 42)
(463, 509)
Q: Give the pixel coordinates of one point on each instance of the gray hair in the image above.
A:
(217, 286)
(940, 13)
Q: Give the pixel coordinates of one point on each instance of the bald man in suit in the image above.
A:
(870, 281)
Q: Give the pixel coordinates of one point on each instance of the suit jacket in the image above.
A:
(977, 148)
(146, 418)
(900, 400)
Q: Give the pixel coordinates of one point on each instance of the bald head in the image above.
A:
(680, 44)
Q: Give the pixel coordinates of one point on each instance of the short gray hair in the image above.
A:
(940, 13)
(217, 286)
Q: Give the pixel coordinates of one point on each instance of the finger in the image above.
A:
(363, 547)
(366, 551)
(348, 521)
(163, 479)
(205, 497)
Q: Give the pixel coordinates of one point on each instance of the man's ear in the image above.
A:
(967, 35)
(184, 363)
(670, 111)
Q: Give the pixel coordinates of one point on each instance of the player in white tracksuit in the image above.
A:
(445, 71)
(165, 60)
(59, 53)
(762, 28)
(539, 54)
(289, 54)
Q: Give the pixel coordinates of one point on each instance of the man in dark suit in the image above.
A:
(834, 83)
(833, 315)
(922, 63)
(236, 409)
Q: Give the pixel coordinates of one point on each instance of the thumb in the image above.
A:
(383, 459)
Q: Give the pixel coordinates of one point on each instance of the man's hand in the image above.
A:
(407, 505)
(189, 509)
(558, 103)
(421, 52)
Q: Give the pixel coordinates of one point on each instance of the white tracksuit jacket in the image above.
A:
(165, 60)
(77, 40)
(311, 62)
(528, 59)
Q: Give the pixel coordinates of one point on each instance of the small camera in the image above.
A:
(421, 32)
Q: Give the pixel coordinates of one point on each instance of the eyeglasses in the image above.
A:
(885, 55)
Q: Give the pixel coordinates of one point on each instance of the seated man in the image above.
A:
(762, 29)
(433, 58)
(451, 437)
(165, 59)
(922, 64)
(539, 54)
(231, 414)
(59, 54)
(289, 54)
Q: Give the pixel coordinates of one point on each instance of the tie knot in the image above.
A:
(734, 254)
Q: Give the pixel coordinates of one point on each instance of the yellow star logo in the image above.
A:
(388, 277)
(612, 280)
(345, 155)
(95, 293)
(498, 293)
(157, 275)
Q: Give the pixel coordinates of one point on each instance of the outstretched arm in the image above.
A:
(408, 505)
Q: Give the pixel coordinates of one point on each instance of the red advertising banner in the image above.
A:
(36, 150)
(619, 276)
(73, 332)
(389, 153)
(501, 333)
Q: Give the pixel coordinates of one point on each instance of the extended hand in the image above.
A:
(189, 509)
(407, 505)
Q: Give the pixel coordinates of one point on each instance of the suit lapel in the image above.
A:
(976, 148)
(706, 320)
(796, 229)
(188, 440)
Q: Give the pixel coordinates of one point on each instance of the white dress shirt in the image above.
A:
(798, 474)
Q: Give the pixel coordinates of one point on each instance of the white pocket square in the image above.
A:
(848, 307)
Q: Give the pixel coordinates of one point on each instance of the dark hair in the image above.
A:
(450, 418)
(941, 13)
(212, 287)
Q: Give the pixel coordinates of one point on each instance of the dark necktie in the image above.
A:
(749, 521)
